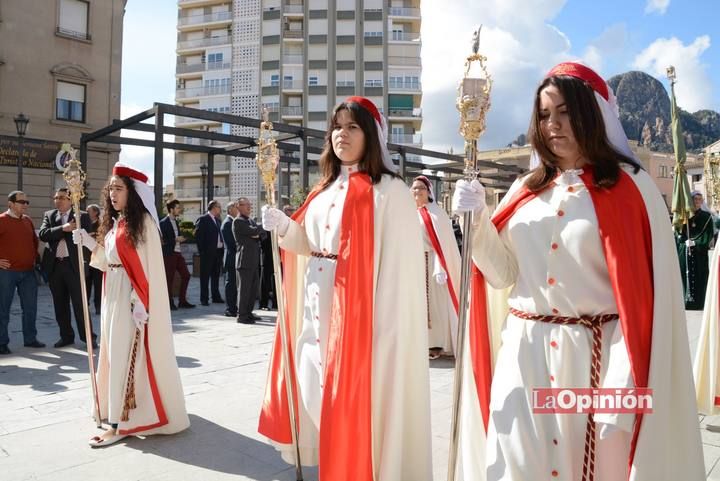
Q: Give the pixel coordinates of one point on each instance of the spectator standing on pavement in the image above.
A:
(229, 260)
(172, 255)
(18, 245)
(64, 269)
(267, 273)
(93, 282)
(139, 386)
(247, 240)
(211, 249)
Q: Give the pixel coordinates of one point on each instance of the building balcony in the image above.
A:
(202, 92)
(66, 32)
(195, 20)
(197, 193)
(293, 85)
(404, 37)
(405, 114)
(196, 3)
(293, 34)
(411, 139)
(183, 68)
(404, 62)
(404, 12)
(200, 43)
(190, 123)
(293, 60)
(404, 87)
(193, 169)
(293, 10)
(291, 111)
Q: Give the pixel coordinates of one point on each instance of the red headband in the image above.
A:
(583, 73)
(424, 180)
(367, 105)
(128, 172)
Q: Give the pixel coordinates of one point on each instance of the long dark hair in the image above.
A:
(588, 128)
(134, 212)
(371, 161)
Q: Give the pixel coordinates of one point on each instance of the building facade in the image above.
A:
(60, 64)
(297, 59)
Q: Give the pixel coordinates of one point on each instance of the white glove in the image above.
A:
(80, 236)
(273, 218)
(441, 277)
(690, 243)
(139, 315)
(468, 197)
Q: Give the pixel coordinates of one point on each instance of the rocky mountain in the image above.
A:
(645, 114)
(644, 106)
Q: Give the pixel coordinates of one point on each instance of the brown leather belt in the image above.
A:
(595, 324)
(115, 266)
(324, 255)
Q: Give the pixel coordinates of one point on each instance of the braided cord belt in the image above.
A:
(324, 255)
(595, 324)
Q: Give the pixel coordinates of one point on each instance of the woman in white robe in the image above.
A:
(354, 286)
(442, 269)
(557, 245)
(139, 386)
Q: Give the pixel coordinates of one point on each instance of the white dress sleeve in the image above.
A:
(492, 252)
(295, 240)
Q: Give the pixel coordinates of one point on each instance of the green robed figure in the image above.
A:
(693, 253)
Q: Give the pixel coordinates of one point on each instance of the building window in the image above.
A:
(662, 171)
(312, 80)
(287, 81)
(274, 80)
(73, 19)
(70, 102)
(373, 83)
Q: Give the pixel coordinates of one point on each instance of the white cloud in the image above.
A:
(693, 87)
(608, 44)
(659, 6)
(520, 45)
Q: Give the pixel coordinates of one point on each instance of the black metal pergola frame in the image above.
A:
(493, 174)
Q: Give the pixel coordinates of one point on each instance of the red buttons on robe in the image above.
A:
(551, 281)
(561, 213)
(341, 187)
(318, 340)
(553, 246)
(571, 189)
(327, 226)
(555, 442)
(554, 473)
(332, 205)
(555, 311)
(320, 269)
(552, 378)
(554, 344)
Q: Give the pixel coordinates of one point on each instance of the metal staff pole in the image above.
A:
(75, 179)
(268, 159)
(473, 102)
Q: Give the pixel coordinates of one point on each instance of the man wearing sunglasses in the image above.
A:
(18, 244)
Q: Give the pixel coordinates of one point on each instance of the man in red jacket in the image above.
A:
(18, 244)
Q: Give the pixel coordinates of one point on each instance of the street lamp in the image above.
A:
(203, 174)
(21, 123)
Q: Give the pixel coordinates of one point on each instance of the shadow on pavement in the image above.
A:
(211, 446)
(188, 362)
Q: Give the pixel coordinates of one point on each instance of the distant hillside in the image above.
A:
(644, 106)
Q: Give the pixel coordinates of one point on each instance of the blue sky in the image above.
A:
(521, 38)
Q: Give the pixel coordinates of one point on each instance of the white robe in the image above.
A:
(707, 356)
(400, 378)
(442, 329)
(538, 245)
(117, 335)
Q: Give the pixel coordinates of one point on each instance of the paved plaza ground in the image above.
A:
(45, 405)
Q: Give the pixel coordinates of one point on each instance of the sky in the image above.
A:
(522, 40)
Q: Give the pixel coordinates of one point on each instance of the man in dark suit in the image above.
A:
(247, 241)
(64, 269)
(229, 260)
(172, 255)
(211, 248)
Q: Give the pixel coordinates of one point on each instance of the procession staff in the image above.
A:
(138, 379)
(580, 252)
(353, 276)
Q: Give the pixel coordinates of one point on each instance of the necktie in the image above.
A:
(62, 250)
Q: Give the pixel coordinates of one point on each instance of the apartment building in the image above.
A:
(297, 59)
(60, 64)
